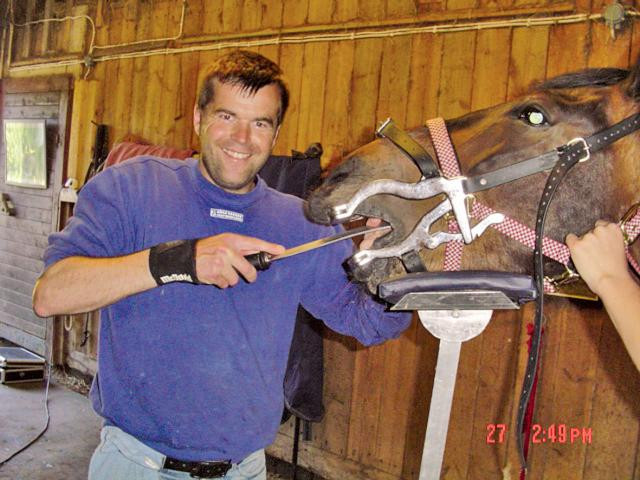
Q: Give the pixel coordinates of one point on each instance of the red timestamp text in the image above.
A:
(554, 433)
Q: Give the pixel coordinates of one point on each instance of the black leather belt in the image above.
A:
(198, 469)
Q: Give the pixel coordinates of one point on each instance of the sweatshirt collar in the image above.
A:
(213, 193)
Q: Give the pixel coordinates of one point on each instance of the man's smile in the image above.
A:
(236, 155)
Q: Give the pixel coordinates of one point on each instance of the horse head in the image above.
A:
(551, 114)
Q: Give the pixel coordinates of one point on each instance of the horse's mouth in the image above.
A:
(378, 269)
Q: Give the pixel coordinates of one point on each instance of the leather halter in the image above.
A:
(561, 160)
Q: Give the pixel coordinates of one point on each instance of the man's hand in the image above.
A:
(599, 255)
(219, 259)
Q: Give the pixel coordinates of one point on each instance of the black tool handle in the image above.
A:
(260, 260)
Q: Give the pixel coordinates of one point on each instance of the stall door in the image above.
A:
(24, 227)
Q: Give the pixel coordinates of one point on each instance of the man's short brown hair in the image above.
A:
(247, 69)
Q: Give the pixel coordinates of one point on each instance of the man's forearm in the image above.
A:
(82, 284)
(622, 301)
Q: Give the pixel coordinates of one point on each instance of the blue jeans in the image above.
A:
(121, 456)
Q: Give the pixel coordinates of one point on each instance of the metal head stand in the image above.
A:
(454, 307)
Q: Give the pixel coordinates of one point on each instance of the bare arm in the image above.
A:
(600, 259)
(81, 284)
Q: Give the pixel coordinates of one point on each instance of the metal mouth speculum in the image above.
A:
(420, 236)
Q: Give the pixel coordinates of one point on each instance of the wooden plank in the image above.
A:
(345, 11)
(35, 214)
(28, 226)
(46, 84)
(251, 15)
(422, 369)
(339, 354)
(22, 299)
(18, 273)
(394, 81)
(491, 69)
(426, 56)
(365, 405)
(82, 132)
(22, 250)
(24, 314)
(29, 111)
(397, 399)
(210, 18)
(371, 9)
(456, 74)
(291, 57)
(567, 49)
(401, 8)
(186, 99)
(312, 93)
(337, 101)
(23, 238)
(614, 421)
(325, 464)
(20, 198)
(19, 337)
(31, 99)
(320, 11)
(272, 14)
(16, 286)
(22, 318)
(607, 52)
(232, 12)
(29, 264)
(566, 386)
(122, 94)
(528, 58)
(141, 77)
(166, 123)
(364, 80)
(156, 82)
(294, 12)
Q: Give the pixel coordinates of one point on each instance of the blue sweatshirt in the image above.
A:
(194, 371)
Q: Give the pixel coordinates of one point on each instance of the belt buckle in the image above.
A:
(210, 470)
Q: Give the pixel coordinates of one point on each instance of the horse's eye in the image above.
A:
(533, 116)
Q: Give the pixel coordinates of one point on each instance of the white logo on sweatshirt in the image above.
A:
(226, 214)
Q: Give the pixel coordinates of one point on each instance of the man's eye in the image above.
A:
(224, 116)
(261, 124)
(533, 116)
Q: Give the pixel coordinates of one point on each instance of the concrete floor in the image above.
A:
(63, 452)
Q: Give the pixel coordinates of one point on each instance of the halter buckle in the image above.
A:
(631, 213)
(569, 284)
(585, 147)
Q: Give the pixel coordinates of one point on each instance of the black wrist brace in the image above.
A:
(173, 262)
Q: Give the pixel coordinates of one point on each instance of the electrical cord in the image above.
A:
(46, 424)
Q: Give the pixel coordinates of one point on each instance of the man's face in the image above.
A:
(237, 131)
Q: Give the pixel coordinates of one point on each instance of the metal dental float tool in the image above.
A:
(263, 260)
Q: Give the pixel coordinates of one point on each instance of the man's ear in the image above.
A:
(196, 119)
(275, 137)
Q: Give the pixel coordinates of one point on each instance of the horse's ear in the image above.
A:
(634, 82)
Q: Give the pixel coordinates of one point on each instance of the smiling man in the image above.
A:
(190, 372)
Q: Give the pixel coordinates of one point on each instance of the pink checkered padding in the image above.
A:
(444, 149)
(632, 230)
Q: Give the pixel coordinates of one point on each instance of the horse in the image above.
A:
(554, 115)
(551, 114)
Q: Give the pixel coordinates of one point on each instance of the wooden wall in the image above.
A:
(376, 398)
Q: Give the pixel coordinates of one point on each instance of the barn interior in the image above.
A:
(107, 76)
